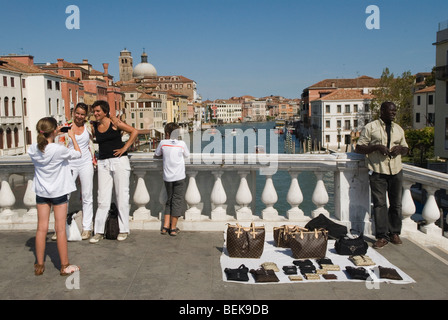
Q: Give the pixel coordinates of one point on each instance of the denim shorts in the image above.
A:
(54, 201)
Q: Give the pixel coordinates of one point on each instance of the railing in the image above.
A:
(222, 189)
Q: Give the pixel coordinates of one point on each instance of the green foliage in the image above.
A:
(398, 90)
(421, 144)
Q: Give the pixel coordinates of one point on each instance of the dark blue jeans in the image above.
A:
(387, 220)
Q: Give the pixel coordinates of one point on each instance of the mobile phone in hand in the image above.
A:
(65, 129)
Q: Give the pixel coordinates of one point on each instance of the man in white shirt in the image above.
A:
(174, 152)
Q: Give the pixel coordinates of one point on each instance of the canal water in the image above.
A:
(231, 135)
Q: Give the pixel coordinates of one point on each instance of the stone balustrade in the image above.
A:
(222, 188)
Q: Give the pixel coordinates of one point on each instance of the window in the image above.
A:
(12, 82)
(1, 138)
(430, 99)
(419, 98)
(347, 108)
(327, 109)
(355, 108)
(327, 124)
(355, 123)
(72, 74)
(57, 85)
(6, 104)
(23, 83)
(347, 125)
(417, 117)
(366, 107)
(5, 81)
(327, 138)
(28, 136)
(339, 108)
(49, 85)
(338, 123)
(13, 104)
(25, 112)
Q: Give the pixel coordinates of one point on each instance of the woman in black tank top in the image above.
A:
(113, 169)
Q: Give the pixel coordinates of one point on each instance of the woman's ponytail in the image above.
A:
(45, 127)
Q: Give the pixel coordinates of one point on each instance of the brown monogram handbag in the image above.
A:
(309, 244)
(283, 234)
(245, 242)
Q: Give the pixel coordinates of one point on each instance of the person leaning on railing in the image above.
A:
(383, 142)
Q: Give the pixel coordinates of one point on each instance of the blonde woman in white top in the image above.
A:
(83, 167)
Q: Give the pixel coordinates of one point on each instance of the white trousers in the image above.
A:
(114, 174)
(85, 174)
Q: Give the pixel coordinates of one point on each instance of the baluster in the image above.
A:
(294, 198)
(193, 198)
(243, 198)
(407, 207)
(7, 200)
(29, 200)
(320, 196)
(430, 212)
(141, 198)
(269, 198)
(218, 198)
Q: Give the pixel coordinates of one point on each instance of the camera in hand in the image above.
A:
(65, 129)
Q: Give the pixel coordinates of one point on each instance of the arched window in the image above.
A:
(29, 140)
(1, 107)
(25, 112)
(2, 138)
(13, 104)
(16, 137)
(8, 138)
(6, 103)
(49, 107)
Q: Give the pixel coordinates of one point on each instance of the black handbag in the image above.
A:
(238, 274)
(351, 246)
(335, 230)
(358, 273)
(263, 275)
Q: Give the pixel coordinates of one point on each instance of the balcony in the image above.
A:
(441, 73)
(222, 188)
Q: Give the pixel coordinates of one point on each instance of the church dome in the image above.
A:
(144, 69)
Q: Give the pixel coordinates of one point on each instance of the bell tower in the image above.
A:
(125, 65)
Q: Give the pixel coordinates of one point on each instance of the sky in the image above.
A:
(232, 47)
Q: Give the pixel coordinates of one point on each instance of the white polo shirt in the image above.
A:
(174, 153)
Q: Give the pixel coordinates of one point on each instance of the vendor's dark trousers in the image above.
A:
(387, 220)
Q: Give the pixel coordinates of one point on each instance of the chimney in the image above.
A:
(85, 61)
(60, 63)
(106, 68)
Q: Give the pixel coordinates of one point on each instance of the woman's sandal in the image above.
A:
(39, 269)
(174, 232)
(164, 230)
(68, 269)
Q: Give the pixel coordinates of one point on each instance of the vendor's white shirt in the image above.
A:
(52, 174)
(174, 151)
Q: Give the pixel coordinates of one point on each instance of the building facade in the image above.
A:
(441, 98)
(424, 108)
(338, 118)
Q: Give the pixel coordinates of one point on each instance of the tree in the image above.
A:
(421, 143)
(398, 90)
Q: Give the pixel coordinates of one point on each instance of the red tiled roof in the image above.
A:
(347, 94)
(360, 82)
(427, 89)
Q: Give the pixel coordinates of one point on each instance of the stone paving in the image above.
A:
(186, 268)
